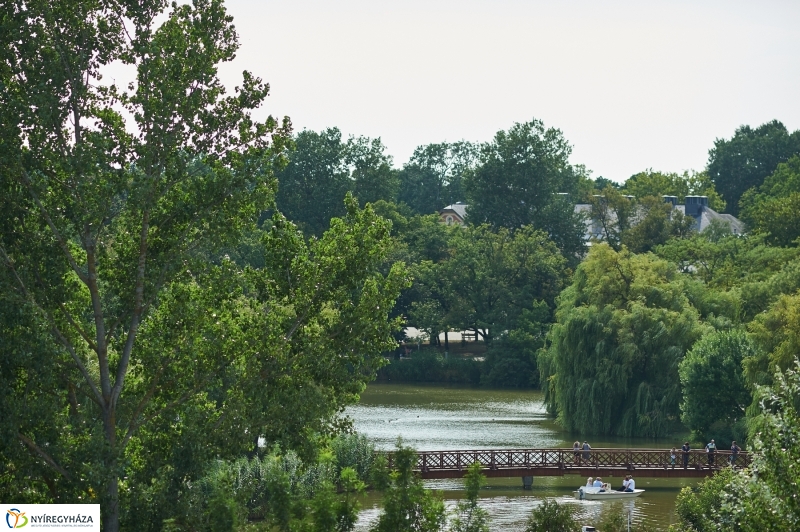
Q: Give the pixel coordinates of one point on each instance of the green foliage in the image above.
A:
(550, 516)
(322, 168)
(614, 518)
(777, 334)
(747, 158)
(656, 222)
(312, 185)
(354, 451)
(763, 497)
(621, 329)
(407, 506)
(715, 394)
(332, 513)
(492, 278)
(700, 509)
(517, 183)
(774, 208)
(651, 183)
(432, 178)
(614, 213)
(469, 517)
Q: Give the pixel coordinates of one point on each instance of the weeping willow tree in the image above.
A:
(611, 365)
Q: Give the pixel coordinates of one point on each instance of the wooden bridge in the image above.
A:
(560, 462)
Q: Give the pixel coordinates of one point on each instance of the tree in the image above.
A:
(715, 394)
(322, 168)
(764, 496)
(469, 516)
(518, 182)
(613, 214)
(655, 223)
(551, 517)
(774, 208)
(747, 158)
(433, 176)
(371, 172)
(407, 506)
(155, 352)
(315, 180)
(652, 183)
(622, 327)
(491, 277)
(776, 332)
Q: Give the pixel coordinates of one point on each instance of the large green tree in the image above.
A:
(747, 158)
(312, 185)
(432, 178)
(520, 180)
(492, 277)
(136, 351)
(774, 208)
(323, 167)
(715, 393)
(621, 330)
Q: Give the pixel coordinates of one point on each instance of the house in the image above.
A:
(694, 206)
(454, 214)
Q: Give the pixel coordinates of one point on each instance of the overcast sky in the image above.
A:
(632, 84)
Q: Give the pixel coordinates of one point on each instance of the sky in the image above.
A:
(631, 84)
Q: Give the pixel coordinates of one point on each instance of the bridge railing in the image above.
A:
(623, 459)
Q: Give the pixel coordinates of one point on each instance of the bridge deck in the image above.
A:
(560, 462)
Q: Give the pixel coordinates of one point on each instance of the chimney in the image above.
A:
(673, 200)
(695, 205)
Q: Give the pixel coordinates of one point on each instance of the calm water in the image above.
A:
(442, 417)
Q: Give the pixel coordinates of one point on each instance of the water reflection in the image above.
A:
(448, 418)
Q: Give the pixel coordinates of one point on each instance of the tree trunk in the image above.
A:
(446, 343)
(110, 510)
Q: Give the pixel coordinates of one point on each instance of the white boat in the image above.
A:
(595, 494)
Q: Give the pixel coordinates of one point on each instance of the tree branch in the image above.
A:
(46, 457)
(62, 243)
(55, 330)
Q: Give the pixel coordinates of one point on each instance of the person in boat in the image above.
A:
(598, 483)
(590, 482)
(631, 485)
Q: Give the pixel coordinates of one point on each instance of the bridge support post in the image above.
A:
(527, 483)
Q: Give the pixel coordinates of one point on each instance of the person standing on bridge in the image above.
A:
(685, 449)
(587, 451)
(734, 453)
(576, 450)
(711, 449)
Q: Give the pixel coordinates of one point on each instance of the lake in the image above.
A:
(436, 417)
